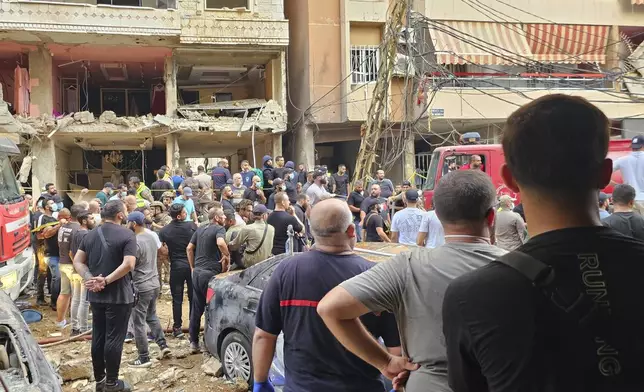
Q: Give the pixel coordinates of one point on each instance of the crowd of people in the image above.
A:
(490, 296)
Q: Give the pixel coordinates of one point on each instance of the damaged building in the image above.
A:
(97, 90)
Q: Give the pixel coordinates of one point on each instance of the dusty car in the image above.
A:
(23, 366)
(232, 301)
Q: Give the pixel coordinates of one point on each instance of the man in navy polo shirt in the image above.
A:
(288, 304)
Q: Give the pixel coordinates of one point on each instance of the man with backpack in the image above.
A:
(561, 312)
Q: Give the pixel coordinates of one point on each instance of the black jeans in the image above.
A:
(200, 279)
(179, 277)
(109, 326)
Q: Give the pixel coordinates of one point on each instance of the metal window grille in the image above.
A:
(365, 61)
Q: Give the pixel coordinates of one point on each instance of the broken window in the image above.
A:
(219, 4)
(365, 61)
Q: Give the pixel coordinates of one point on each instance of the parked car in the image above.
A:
(232, 301)
(23, 366)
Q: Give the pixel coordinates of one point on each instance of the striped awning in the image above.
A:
(485, 43)
(569, 44)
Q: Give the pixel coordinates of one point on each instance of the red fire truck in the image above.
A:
(16, 254)
(445, 159)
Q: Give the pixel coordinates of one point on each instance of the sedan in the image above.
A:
(23, 366)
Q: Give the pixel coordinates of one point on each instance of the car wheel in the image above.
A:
(235, 357)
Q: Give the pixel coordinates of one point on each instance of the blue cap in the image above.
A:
(266, 158)
(290, 165)
(136, 217)
(260, 209)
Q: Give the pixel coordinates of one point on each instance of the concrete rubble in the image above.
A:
(75, 369)
(270, 117)
(212, 367)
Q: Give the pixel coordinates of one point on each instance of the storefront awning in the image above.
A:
(484, 43)
(569, 44)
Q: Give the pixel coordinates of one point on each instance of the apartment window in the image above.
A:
(219, 4)
(365, 61)
(166, 4)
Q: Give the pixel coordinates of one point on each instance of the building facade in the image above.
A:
(333, 61)
(103, 89)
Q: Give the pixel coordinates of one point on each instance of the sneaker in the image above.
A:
(100, 385)
(53, 307)
(41, 302)
(129, 337)
(164, 351)
(194, 348)
(118, 386)
(177, 333)
(74, 332)
(140, 363)
(151, 337)
(62, 324)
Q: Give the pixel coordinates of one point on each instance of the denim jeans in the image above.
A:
(55, 278)
(80, 305)
(358, 230)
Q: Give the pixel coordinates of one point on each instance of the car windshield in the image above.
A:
(431, 172)
(8, 185)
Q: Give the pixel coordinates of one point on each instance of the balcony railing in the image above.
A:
(524, 81)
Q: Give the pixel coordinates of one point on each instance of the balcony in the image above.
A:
(488, 98)
(25, 20)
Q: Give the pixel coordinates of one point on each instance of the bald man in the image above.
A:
(94, 208)
(288, 305)
(130, 203)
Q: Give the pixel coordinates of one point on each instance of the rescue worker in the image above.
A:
(143, 193)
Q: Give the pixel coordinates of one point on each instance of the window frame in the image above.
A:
(368, 66)
(249, 7)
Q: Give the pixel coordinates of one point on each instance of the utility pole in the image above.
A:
(371, 130)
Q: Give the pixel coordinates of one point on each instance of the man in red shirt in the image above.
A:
(475, 163)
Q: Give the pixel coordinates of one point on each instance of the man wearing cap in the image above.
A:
(603, 205)
(186, 201)
(406, 223)
(208, 256)
(632, 168)
(509, 226)
(292, 174)
(267, 174)
(255, 241)
(316, 190)
(145, 278)
(104, 194)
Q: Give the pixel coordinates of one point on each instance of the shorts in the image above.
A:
(66, 273)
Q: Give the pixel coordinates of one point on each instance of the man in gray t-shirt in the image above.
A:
(412, 285)
(146, 284)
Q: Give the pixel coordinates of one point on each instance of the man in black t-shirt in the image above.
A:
(208, 256)
(354, 201)
(176, 235)
(288, 305)
(254, 192)
(280, 220)
(48, 232)
(507, 333)
(160, 186)
(341, 180)
(623, 219)
(374, 225)
(374, 196)
(105, 259)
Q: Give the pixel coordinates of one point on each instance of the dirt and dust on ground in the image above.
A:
(180, 372)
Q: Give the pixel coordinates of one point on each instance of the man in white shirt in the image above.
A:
(406, 223)
(632, 168)
(431, 234)
(316, 191)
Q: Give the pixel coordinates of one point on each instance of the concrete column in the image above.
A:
(276, 145)
(170, 79)
(172, 153)
(43, 168)
(41, 79)
(304, 145)
(234, 163)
